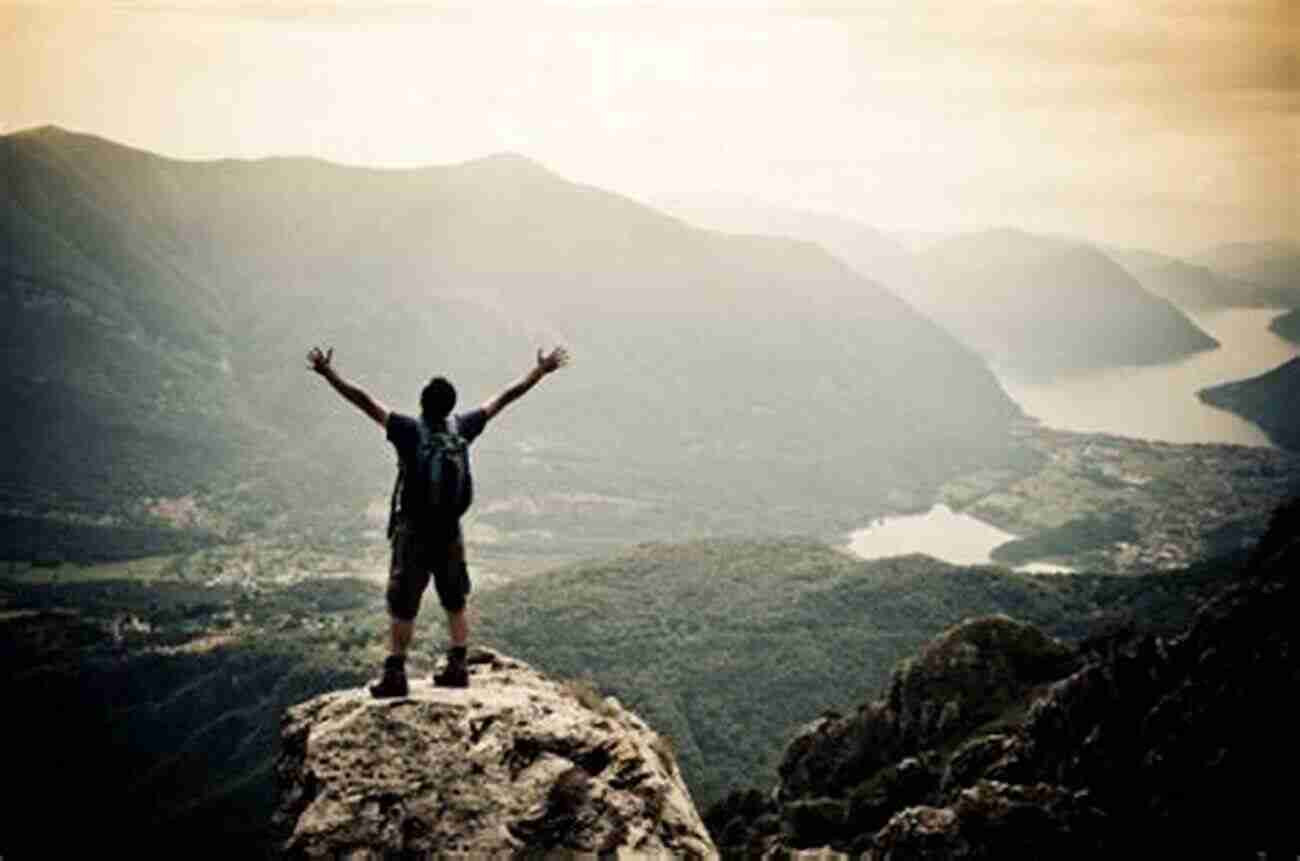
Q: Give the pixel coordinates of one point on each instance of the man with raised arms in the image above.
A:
(424, 547)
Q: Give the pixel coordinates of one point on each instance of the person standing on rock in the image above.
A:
(424, 545)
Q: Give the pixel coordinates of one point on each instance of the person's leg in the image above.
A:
(458, 627)
(452, 582)
(400, 633)
(408, 577)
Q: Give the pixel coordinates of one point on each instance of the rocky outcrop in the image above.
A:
(1190, 742)
(517, 764)
(1143, 745)
(992, 821)
(970, 675)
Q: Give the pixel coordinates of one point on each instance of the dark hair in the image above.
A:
(437, 399)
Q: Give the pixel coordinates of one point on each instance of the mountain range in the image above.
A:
(1035, 306)
(1244, 275)
(157, 311)
(1268, 264)
(1038, 306)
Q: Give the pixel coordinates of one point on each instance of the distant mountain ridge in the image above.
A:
(1033, 305)
(1193, 286)
(1208, 283)
(1038, 306)
(1271, 264)
(872, 253)
(161, 308)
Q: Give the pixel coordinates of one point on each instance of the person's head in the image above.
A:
(437, 400)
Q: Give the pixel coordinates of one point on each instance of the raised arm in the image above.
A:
(546, 363)
(320, 363)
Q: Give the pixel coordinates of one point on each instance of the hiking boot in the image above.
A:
(454, 675)
(393, 682)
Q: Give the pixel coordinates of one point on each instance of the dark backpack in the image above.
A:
(440, 487)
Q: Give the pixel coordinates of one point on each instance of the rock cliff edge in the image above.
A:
(517, 764)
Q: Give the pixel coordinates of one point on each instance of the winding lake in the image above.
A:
(1155, 402)
(1159, 401)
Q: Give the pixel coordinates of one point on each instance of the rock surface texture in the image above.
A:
(518, 764)
(995, 743)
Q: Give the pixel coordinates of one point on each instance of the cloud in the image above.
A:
(1096, 45)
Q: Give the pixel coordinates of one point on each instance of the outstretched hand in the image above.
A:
(552, 361)
(318, 361)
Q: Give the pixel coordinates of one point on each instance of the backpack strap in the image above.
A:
(395, 501)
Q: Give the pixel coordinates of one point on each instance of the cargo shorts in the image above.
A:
(417, 555)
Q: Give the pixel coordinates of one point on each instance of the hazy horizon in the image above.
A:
(1153, 125)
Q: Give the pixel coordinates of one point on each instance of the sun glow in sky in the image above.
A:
(1173, 125)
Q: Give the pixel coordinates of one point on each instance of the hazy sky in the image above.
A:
(1170, 124)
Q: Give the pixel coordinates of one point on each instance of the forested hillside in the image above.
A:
(1287, 325)
(727, 646)
(1269, 400)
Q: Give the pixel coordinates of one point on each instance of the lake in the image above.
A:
(1155, 402)
(1159, 402)
(940, 532)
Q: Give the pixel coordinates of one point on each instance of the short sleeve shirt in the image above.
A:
(404, 433)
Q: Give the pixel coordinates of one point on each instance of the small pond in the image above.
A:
(940, 532)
